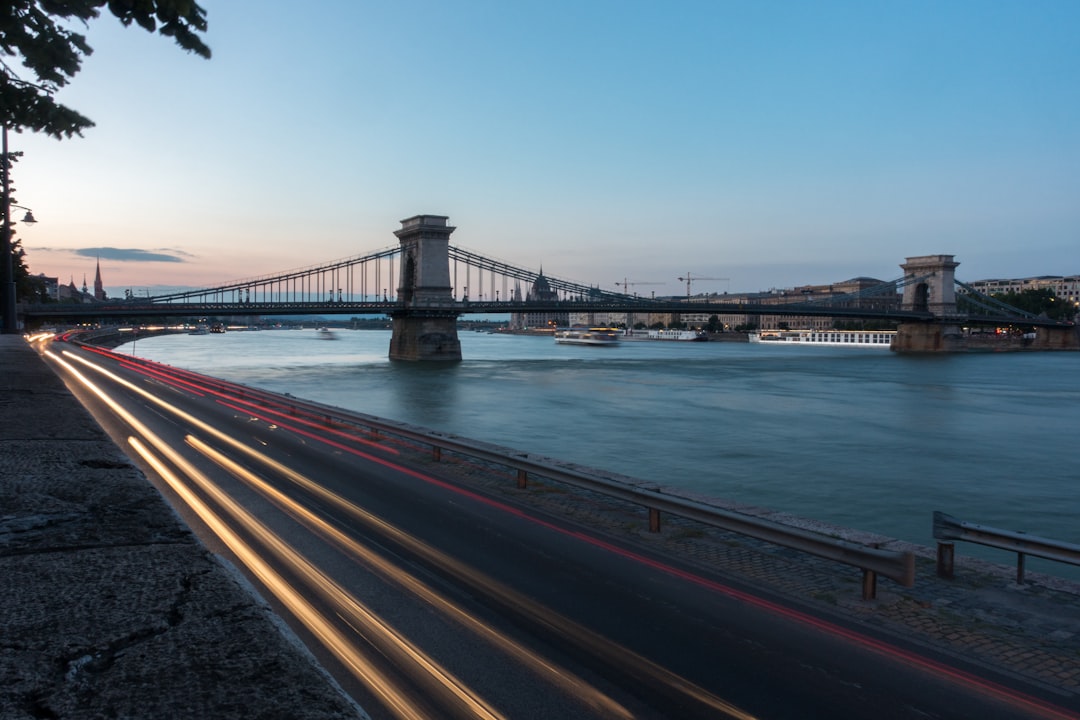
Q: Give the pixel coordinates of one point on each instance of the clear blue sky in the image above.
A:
(772, 143)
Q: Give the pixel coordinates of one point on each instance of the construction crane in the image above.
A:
(626, 284)
(689, 279)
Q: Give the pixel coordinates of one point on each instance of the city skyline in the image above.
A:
(773, 145)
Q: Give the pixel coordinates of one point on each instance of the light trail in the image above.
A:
(377, 632)
(390, 642)
(1036, 707)
(173, 377)
(611, 652)
(333, 640)
(1030, 704)
(569, 682)
(319, 436)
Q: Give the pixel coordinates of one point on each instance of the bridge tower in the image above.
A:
(932, 290)
(935, 290)
(425, 323)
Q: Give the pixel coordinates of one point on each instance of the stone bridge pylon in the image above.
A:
(425, 324)
(931, 289)
(935, 289)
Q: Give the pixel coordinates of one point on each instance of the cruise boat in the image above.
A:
(588, 336)
(827, 338)
(676, 335)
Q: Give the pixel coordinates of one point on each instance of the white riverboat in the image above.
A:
(676, 335)
(827, 338)
(587, 336)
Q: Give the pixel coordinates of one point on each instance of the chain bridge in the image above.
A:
(425, 284)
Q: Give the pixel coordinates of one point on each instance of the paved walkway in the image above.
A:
(112, 608)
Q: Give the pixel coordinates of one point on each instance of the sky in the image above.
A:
(771, 144)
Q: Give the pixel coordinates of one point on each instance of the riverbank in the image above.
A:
(118, 611)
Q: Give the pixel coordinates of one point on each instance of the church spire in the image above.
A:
(99, 289)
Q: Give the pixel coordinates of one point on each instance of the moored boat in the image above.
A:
(587, 336)
(677, 335)
(826, 338)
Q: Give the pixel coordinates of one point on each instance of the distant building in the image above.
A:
(825, 294)
(72, 293)
(601, 319)
(542, 291)
(51, 285)
(1065, 287)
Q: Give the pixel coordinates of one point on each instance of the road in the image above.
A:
(424, 598)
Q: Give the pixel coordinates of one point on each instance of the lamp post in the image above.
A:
(7, 286)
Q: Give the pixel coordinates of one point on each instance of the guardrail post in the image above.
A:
(436, 453)
(945, 557)
(869, 585)
(521, 480)
(1019, 542)
(654, 520)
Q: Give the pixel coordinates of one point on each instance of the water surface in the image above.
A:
(859, 437)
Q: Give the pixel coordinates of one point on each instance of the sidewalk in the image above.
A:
(111, 607)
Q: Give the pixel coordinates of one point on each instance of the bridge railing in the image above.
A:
(873, 561)
(946, 527)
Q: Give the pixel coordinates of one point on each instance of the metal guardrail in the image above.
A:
(946, 527)
(894, 565)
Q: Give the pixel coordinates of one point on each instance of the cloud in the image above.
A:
(133, 255)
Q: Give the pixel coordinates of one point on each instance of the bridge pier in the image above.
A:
(1047, 338)
(927, 337)
(931, 289)
(425, 324)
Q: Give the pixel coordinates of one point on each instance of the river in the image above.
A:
(859, 437)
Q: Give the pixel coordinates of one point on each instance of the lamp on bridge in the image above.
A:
(7, 288)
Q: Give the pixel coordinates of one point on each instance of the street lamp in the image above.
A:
(7, 286)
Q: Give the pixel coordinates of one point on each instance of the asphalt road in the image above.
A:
(427, 599)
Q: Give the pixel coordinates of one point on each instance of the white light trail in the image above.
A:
(388, 640)
(561, 677)
(601, 646)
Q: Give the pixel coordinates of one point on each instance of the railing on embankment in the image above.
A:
(946, 527)
(894, 565)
